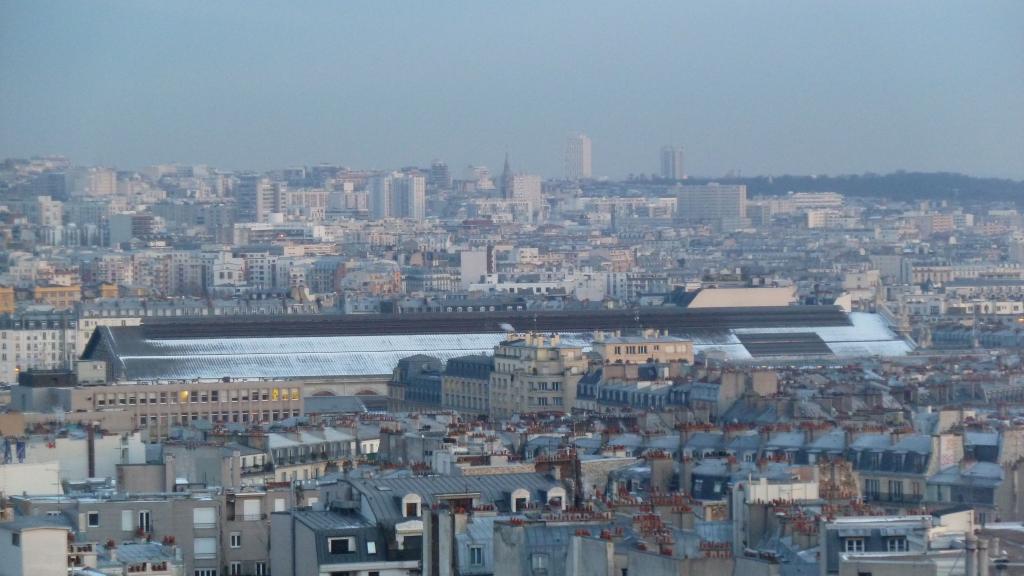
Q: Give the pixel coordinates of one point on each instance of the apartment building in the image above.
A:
(534, 373)
(465, 384)
(60, 297)
(40, 340)
(650, 347)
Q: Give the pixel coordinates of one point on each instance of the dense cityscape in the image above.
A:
(407, 371)
(569, 288)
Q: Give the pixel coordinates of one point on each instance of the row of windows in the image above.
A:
(892, 544)
(29, 347)
(219, 417)
(198, 397)
(34, 359)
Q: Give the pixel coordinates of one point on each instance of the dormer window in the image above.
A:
(411, 504)
(520, 500)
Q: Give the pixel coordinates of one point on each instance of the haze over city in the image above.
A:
(479, 288)
(797, 87)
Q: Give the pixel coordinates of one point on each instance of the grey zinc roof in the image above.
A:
(745, 442)
(832, 441)
(22, 523)
(977, 474)
(875, 442)
(143, 552)
(706, 441)
(384, 494)
(786, 440)
(138, 357)
(712, 467)
(918, 443)
(330, 520)
(981, 438)
(143, 358)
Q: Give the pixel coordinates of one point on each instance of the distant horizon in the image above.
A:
(496, 171)
(786, 87)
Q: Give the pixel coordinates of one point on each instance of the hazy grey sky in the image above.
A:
(766, 87)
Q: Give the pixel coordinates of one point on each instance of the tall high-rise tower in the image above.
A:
(397, 195)
(256, 197)
(577, 157)
(672, 163)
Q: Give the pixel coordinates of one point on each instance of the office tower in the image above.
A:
(257, 198)
(577, 157)
(397, 195)
(724, 207)
(378, 196)
(672, 163)
(440, 178)
(409, 193)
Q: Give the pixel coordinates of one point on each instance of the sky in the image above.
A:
(759, 87)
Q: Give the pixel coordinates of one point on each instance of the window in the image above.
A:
(896, 544)
(205, 572)
(144, 523)
(205, 548)
(344, 545)
(126, 520)
(261, 568)
(371, 547)
(896, 490)
(476, 555)
(204, 517)
(871, 488)
(236, 539)
(853, 544)
(15, 539)
(412, 509)
(235, 569)
(94, 519)
(539, 562)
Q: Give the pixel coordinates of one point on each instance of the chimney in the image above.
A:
(982, 557)
(91, 447)
(971, 555)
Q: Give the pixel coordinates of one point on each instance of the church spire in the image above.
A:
(506, 179)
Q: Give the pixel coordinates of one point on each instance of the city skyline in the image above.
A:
(889, 92)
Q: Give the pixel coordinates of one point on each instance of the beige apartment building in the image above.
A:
(535, 373)
(159, 406)
(60, 297)
(651, 347)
